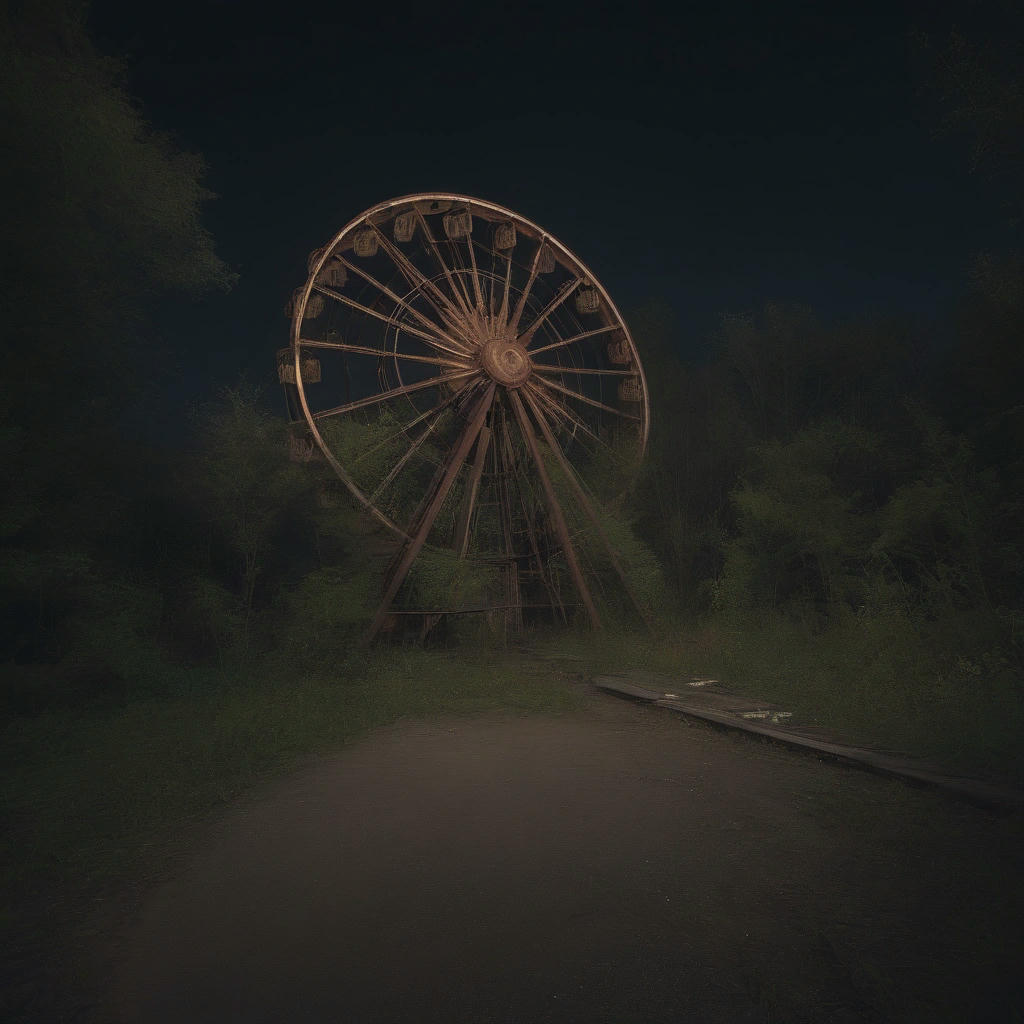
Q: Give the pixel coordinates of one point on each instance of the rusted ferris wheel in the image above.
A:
(475, 388)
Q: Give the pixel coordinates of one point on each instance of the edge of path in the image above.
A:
(745, 715)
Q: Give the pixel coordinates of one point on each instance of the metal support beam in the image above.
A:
(466, 512)
(555, 510)
(588, 507)
(424, 522)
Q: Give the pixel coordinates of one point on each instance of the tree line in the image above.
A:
(823, 473)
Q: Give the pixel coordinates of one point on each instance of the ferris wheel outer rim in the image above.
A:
(543, 237)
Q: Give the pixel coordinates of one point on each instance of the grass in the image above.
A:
(89, 798)
(940, 694)
(130, 773)
(94, 797)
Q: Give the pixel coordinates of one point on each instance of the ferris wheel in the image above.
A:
(473, 385)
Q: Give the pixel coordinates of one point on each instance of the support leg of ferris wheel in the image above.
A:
(421, 528)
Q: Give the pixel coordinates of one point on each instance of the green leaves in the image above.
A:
(244, 483)
(802, 528)
(439, 579)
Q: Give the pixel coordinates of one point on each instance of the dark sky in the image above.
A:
(726, 158)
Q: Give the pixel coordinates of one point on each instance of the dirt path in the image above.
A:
(614, 865)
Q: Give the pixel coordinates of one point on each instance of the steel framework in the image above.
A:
(475, 388)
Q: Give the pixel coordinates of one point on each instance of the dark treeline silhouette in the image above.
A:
(825, 471)
(818, 473)
(102, 222)
(831, 514)
(821, 471)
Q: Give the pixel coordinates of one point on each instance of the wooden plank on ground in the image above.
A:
(727, 710)
(622, 688)
(713, 700)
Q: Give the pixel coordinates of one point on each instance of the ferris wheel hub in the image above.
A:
(506, 362)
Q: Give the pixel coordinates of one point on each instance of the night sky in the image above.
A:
(734, 156)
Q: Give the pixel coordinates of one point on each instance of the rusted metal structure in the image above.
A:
(475, 388)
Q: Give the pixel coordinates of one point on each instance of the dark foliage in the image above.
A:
(811, 470)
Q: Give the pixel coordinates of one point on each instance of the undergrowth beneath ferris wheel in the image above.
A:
(475, 389)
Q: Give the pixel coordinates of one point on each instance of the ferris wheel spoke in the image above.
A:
(383, 353)
(391, 321)
(549, 437)
(423, 521)
(385, 396)
(440, 407)
(476, 275)
(460, 274)
(453, 317)
(569, 417)
(492, 282)
(586, 399)
(555, 509)
(534, 269)
(514, 483)
(462, 527)
(429, 235)
(577, 337)
(580, 491)
(564, 292)
(570, 370)
(406, 456)
(556, 449)
(503, 475)
(513, 480)
(503, 312)
(425, 321)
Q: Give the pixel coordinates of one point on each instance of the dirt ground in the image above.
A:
(613, 865)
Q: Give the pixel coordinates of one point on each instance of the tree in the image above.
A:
(805, 521)
(976, 77)
(246, 485)
(102, 219)
(101, 216)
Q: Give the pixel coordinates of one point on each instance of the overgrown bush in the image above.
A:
(323, 617)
